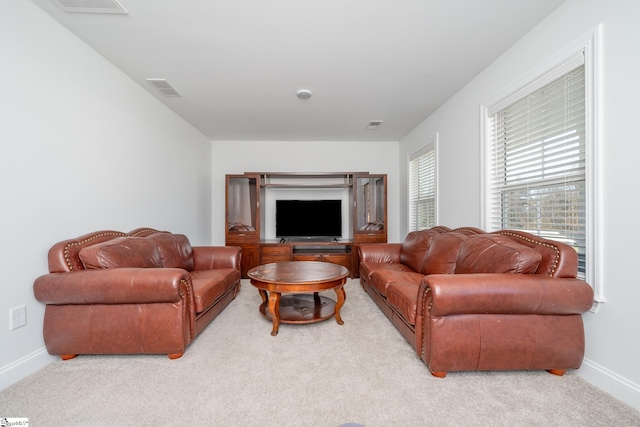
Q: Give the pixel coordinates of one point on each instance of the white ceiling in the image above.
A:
(239, 63)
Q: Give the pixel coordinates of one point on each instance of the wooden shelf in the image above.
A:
(306, 185)
(306, 180)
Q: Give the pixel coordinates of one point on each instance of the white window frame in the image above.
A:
(431, 146)
(591, 49)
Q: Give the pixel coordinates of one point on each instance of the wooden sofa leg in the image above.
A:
(438, 374)
(68, 356)
(175, 355)
(558, 372)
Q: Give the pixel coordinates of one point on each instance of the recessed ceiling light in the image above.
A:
(303, 93)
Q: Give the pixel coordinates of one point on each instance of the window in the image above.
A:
(423, 189)
(537, 171)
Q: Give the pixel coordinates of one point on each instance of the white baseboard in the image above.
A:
(610, 382)
(23, 367)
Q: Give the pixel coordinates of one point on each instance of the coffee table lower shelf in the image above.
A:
(302, 308)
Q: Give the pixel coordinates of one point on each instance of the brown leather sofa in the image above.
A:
(470, 300)
(146, 291)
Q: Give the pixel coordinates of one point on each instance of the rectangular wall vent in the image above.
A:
(164, 87)
(91, 6)
(374, 124)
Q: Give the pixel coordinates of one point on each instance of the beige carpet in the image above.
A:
(236, 374)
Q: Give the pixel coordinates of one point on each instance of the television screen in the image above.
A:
(309, 218)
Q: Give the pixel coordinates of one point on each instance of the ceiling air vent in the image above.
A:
(164, 87)
(91, 6)
(374, 124)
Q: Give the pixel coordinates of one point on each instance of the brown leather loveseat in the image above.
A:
(471, 300)
(145, 291)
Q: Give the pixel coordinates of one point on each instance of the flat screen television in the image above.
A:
(308, 219)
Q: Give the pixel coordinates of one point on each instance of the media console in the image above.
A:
(250, 219)
(340, 252)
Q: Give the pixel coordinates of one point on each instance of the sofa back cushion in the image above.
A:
(415, 246)
(442, 254)
(558, 259)
(122, 252)
(492, 253)
(175, 250)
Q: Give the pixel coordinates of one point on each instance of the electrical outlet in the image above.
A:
(18, 317)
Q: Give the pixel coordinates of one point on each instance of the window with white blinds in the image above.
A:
(537, 160)
(422, 189)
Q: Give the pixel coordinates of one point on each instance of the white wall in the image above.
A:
(613, 347)
(82, 148)
(237, 157)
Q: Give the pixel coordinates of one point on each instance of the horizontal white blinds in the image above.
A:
(422, 189)
(538, 163)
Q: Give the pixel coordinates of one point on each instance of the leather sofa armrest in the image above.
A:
(380, 252)
(451, 294)
(214, 257)
(115, 286)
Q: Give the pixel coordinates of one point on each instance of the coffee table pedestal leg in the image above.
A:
(274, 310)
(341, 297)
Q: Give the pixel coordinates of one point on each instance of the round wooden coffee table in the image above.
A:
(299, 278)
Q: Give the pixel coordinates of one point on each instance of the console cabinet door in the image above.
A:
(274, 253)
(250, 257)
(369, 213)
(242, 208)
(370, 205)
(340, 259)
(242, 218)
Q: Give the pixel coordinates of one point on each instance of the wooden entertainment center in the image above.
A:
(246, 205)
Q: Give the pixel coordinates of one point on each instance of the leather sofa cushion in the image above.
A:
(403, 297)
(209, 285)
(122, 252)
(414, 248)
(175, 250)
(491, 253)
(443, 253)
(381, 279)
(367, 268)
